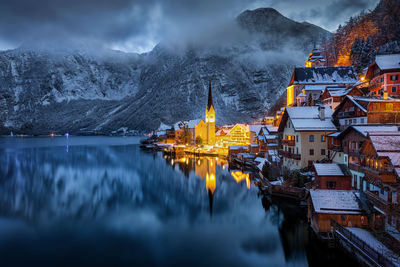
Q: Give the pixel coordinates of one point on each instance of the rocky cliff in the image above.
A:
(81, 90)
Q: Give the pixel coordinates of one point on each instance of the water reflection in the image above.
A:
(205, 168)
(104, 201)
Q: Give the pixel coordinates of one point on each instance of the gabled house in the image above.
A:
(332, 176)
(303, 131)
(384, 75)
(366, 110)
(334, 95)
(316, 78)
(342, 206)
(233, 135)
(268, 140)
(380, 163)
(352, 140)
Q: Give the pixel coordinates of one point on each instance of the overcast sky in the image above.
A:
(138, 25)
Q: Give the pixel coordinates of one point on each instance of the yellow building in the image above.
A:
(237, 135)
(210, 119)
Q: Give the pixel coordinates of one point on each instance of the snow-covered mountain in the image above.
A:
(249, 62)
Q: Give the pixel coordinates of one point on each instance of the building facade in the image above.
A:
(384, 75)
(303, 136)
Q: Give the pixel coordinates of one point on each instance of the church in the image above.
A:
(210, 119)
(199, 129)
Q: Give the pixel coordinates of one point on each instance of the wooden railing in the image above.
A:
(376, 256)
(378, 175)
(379, 202)
(288, 142)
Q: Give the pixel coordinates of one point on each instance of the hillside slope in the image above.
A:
(79, 91)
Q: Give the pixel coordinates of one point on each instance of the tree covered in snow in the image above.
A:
(362, 53)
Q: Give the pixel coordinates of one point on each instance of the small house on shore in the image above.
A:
(342, 206)
(332, 176)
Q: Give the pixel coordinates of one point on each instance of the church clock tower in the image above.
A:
(210, 118)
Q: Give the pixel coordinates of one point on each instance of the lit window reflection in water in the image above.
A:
(106, 202)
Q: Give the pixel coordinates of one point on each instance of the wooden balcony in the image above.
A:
(379, 175)
(288, 142)
(373, 174)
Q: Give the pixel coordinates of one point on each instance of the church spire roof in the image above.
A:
(210, 101)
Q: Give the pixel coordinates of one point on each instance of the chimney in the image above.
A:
(321, 110)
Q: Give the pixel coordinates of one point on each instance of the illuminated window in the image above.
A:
(323, 138)
(389, 106)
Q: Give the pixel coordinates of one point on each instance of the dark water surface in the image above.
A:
(101, 200)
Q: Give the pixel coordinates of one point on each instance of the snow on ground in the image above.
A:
(368, 238)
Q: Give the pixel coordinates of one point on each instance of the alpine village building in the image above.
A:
(304, 131)
(384, 75)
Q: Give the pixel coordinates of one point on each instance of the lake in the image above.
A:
(103, 201)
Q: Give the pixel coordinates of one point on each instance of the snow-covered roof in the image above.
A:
(338, 91)
(385, 142)
(315, 87)
(308, 119)
(272, 129)
(386, 62)
(301, 95)
(193, 123)
(394, 157)
(324, 75)
(163, 127)
(365, 129)
(260, 160)
(334, 134)
(270, 137)
(330, 169)
(388, 145)
(179, 125)
(335, 201)
(255, 128)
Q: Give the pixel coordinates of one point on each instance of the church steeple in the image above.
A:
(210, 100)
(210, 118)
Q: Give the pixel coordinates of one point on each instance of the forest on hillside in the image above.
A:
(364, 36)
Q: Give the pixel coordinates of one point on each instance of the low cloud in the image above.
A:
(137, 26)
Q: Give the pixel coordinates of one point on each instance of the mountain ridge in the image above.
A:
(115, 90)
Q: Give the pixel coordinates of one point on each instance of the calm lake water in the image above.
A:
(101, 200)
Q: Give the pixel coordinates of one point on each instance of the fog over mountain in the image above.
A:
(77, 89)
